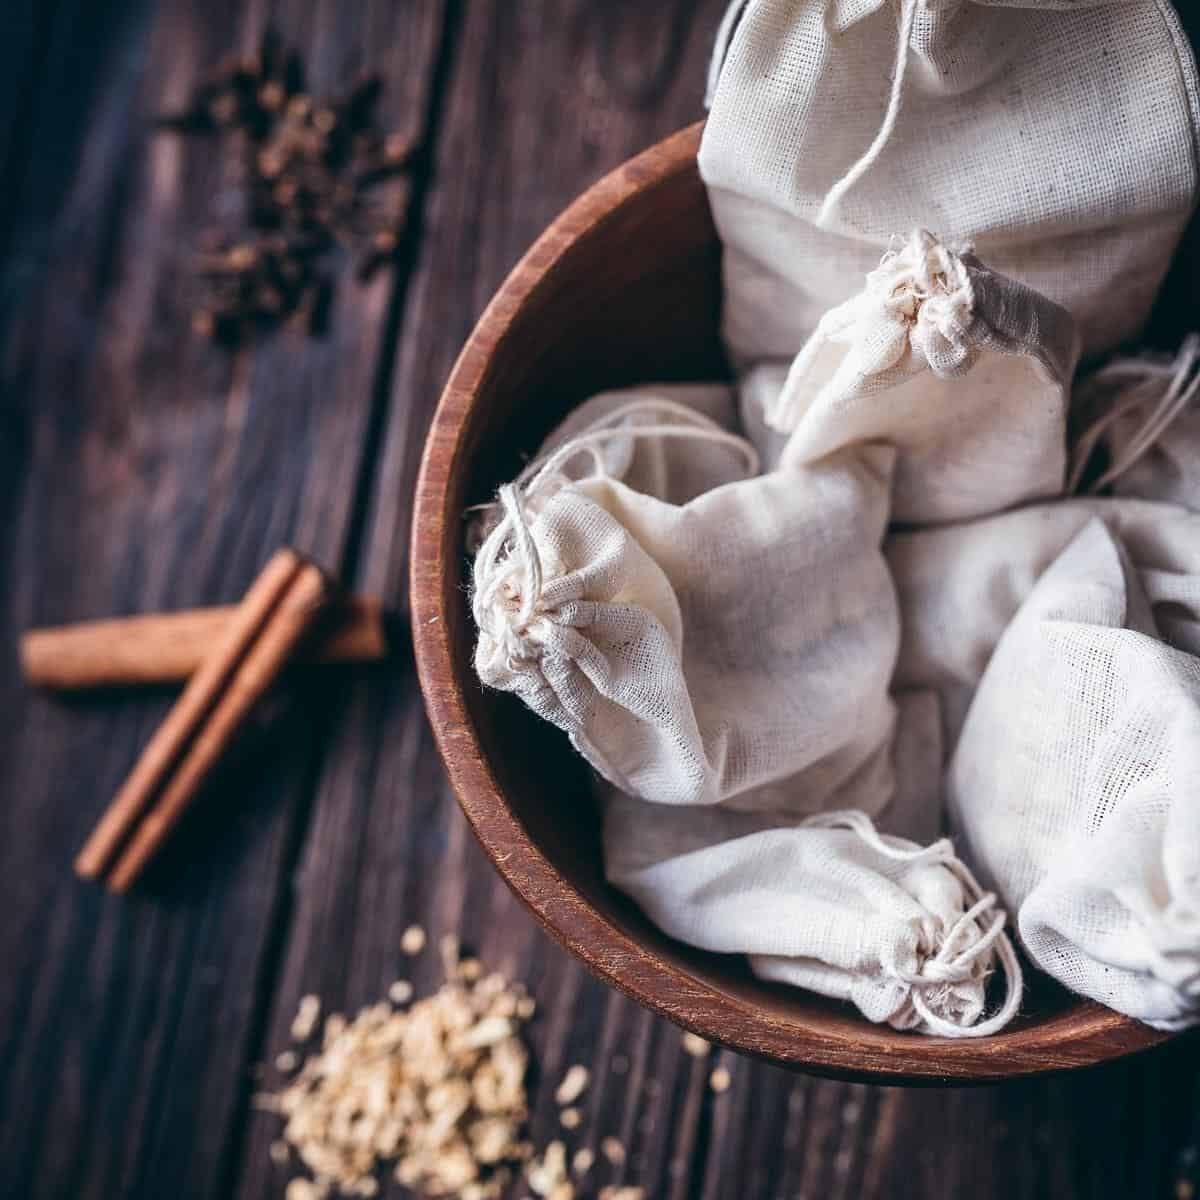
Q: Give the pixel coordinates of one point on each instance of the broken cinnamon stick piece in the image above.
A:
(167, 647)
(276, 613)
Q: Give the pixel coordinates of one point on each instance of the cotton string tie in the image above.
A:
(963, 945)
(835, 195)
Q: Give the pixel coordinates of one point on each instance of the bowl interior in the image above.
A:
(625, 288)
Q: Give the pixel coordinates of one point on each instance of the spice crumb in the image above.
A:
(412, 940)
(309, 177)
(695, 1045)
(308, 1012)
(303, 1189)
(437, 1089)
(720, 1080)
(435, 1092)
(573, 1084)
(613, 1151)
(335, 1026)
(547, 1176)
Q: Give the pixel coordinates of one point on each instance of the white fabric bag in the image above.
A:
(726, 659)
(960, 585)
(1057, 136)
(704, 651)
(825, 903)
(758, 393)
(676, 468)
(1074, 785)
(965, 372)
(1145, 414)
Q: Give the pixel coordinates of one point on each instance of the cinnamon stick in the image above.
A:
(276, 613)
(167, 647)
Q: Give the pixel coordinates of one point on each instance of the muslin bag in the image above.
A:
(1057, 136)
(1143, 414)
(704, 651)
(758, 391)
(960, 585)
(824, 902)
(675, 468)
(724, 664)
(1074, 787)
(965, 372)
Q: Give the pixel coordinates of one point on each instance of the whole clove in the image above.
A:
(309, 168)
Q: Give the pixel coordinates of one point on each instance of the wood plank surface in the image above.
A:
(541, 100)
(142, 469)
(150, 470)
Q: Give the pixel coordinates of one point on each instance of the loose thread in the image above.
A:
(837, 192)
(1136, 381)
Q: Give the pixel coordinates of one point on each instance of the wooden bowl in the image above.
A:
(624, 288)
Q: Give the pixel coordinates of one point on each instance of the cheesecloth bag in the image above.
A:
(1074, 785)
(960, 585)
(758, 391)
(675, 468)
(824, 902)
(965, 372)
(1141, 420)
(702, 651)
(1057, 136)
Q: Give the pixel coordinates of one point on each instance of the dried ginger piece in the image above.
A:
(305, 1021)
(574, 1084)
(548, 1176)
(613, 1150)
(438, 1088)
(720, 1080)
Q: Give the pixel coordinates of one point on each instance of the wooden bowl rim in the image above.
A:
(1084, 1034)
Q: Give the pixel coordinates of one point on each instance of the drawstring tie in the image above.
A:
(835, 195)
(925, 287)
(1165, 386)
(966, 946)
(509, 591)
(916, 309)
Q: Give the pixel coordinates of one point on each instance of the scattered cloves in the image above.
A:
(308, 168)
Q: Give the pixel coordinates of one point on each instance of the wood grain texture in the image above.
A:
(152, 471)
(529, 119)
(140, 471)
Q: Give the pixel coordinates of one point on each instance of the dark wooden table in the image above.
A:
(141, 469)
